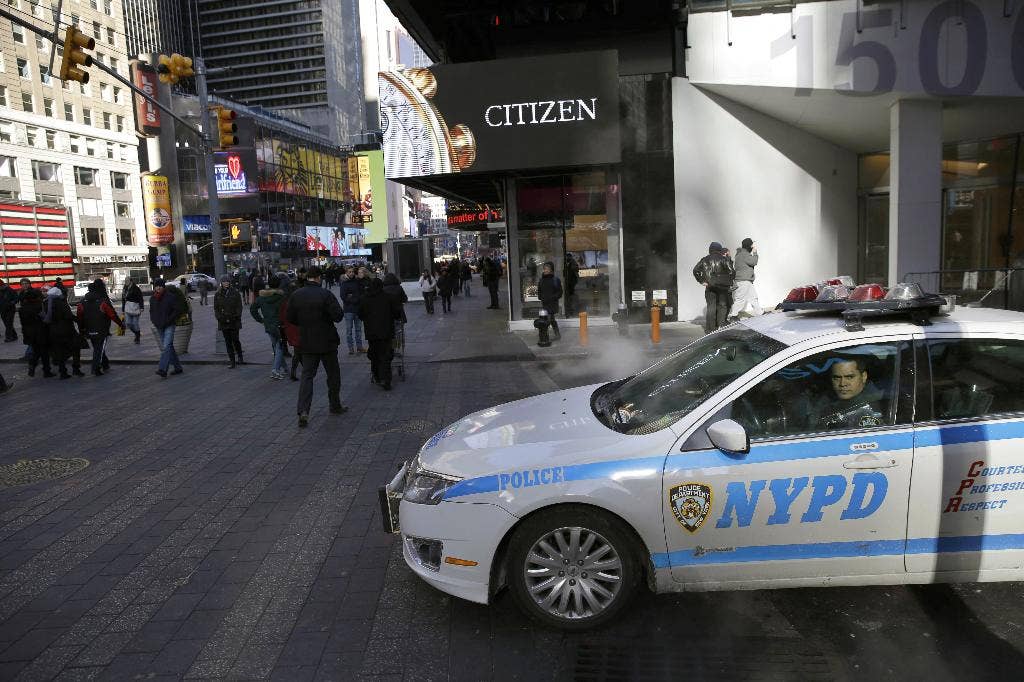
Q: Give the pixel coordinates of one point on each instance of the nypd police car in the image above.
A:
(793, 449)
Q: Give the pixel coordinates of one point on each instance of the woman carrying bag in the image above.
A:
(428, 287)
(132, 305)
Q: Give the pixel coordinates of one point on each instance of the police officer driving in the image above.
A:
(856, 401)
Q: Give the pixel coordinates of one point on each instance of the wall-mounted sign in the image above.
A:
(473, 217)
(498, 115)
(360, 189)
(640, 296)
(196, 224)
(231, 179)
(147, 114)
(659, 295)
(156, 202)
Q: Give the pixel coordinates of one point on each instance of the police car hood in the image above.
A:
(553, 428)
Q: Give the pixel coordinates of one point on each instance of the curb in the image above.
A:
(85, 362)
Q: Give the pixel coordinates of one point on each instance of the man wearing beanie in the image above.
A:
(227, 308)
(744, 296)
(165, 308)
(316, 311)
(715, 272)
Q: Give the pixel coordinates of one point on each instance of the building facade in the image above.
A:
(74, 145)
(161, 26)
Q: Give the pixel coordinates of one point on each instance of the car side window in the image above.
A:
(975, 378)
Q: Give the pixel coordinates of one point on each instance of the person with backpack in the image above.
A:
(95, 313)
(549, 291)
(716, 273)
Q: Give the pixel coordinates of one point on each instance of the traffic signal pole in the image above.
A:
(213, 205)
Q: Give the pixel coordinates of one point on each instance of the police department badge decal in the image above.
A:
(691, 504)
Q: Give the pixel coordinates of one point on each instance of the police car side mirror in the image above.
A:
(729, 436)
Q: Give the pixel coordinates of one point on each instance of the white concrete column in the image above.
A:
(915, 198)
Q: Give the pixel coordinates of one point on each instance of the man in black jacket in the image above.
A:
(95, 313)
(8, 307)
(316, 311)
(715, 271)
(549, 291)
(379, 311)
(165, 308)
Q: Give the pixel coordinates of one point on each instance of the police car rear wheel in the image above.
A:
(572, 569)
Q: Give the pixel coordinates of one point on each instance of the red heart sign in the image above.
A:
(234, 166)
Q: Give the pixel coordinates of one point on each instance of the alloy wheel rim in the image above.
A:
(573, 573)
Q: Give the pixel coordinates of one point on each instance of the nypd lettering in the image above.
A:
(690, 504)
(968, 486)
(528, 478)
(813, 496)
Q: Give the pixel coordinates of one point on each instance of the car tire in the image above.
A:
(590, 593)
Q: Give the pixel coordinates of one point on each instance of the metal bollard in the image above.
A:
(584, 337)
(655, 324)
(621, 319)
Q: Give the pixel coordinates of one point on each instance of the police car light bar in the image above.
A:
(866, 301)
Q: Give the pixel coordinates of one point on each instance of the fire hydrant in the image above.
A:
(542, 323)
(621, 318)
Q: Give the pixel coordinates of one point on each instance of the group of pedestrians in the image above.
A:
(728, 284)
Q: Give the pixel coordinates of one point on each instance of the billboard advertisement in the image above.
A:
(360, 187)
(295, 169)
(147, 114)
(369, 181)
(234, 173)
(506, 114)
(337, 241)
(156, 202)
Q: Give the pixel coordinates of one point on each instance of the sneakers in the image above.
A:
(161, 373)
(277, 375)
(303, 420)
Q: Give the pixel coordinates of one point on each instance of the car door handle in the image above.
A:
(869, 462)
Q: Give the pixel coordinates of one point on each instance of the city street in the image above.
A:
(210, 538)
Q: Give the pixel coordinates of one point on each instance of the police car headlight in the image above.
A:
(427, 488)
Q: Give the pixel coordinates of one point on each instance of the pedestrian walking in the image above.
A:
(132, 305)
(258, 284)
(227, 308)
(266, 310)
(466, 273)
(243, 284)
(379, 312)
(446, 285)
(8, 307)
(316, 311)
(34, 331)
(59, 284)
(744, 295)
(291, 334)
(428, 287)
(203, 285)
(351, 293)
(183, 288)
(716, 273)
(490, 278)
(549, 291)
(64, 338)
(393, 288)
(95, 313)
(164, 310)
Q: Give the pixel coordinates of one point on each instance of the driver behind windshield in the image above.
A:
(853, 401)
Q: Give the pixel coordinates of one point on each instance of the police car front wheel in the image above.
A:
(572, 569)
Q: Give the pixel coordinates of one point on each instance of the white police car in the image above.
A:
(790, 450)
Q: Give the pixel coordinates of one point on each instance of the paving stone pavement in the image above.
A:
(210, 538)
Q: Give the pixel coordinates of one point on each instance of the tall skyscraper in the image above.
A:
(157, 26)
(301, 58)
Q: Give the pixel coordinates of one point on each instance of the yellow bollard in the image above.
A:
(655, 324)
(583, 329)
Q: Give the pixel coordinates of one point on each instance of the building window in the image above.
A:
(122, 209)
(42, 44)
(110, 150)
(119, 180)
(110, 37)
(95, 5)
(90, 146)
(44, 75)
(3, 96)
(26, 101)
(46, 171)
(96, 30)
(118, 95)
(75, 142)
(105, 92)
(85, 176)
(23, 69)
(124, 151)
(87, 116)
(93, 236)
(9, 194)
(31, 134)
(69, 111)
(106, 120)
(50, 199)
(51, 139)
(6, 131)
(108, 8)
(19, 34)
(90, 207)
(126, 237)
(8, 167)
(48, 106)
(120, 124)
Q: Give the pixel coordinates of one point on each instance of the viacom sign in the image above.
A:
(501, 115)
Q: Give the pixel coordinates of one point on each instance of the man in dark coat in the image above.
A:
(165, 307)
(65, 341)
(351, 292)
(8, 306)
(227, 308)
(549, 291)
(490, 278)
(379, 311)
(34, 331)
(316, 311)
(715, 271)
(95, 313)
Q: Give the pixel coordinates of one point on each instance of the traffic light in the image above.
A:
(74, 57)
(174, 68)
(226, 127)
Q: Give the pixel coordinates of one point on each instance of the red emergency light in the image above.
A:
(868, 292)
(802, 294)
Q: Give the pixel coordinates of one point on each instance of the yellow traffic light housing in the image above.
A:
(226, 127)
(174, 68)
(75, 42)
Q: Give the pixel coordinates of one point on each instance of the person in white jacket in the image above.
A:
(428, 287)
(744, 295)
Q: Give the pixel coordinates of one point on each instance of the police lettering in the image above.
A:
(866, 497)
(530, 477)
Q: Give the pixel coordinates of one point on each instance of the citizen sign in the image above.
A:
(548, 111)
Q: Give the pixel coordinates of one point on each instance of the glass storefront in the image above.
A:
(571, 221)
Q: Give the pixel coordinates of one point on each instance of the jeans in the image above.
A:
(446, 302)
(203, 300)
(278, 347)
(168, 356)
(132, 322)
(353, 328)
(428, 300)
(98, 343)
(465, 287)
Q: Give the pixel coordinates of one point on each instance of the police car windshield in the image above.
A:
(665, 392)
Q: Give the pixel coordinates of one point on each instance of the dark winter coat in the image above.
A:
(715, 270)
(95, 313)
(166, 310)
(378, 311)
(227, 308)
(393, 288)
(352, 291)
(64, 337)
(291, 332)
(8, 298)
(258, 283)
(267, 309)
(315, 311)
(549, 291)
(33, 331)
(446, 284)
